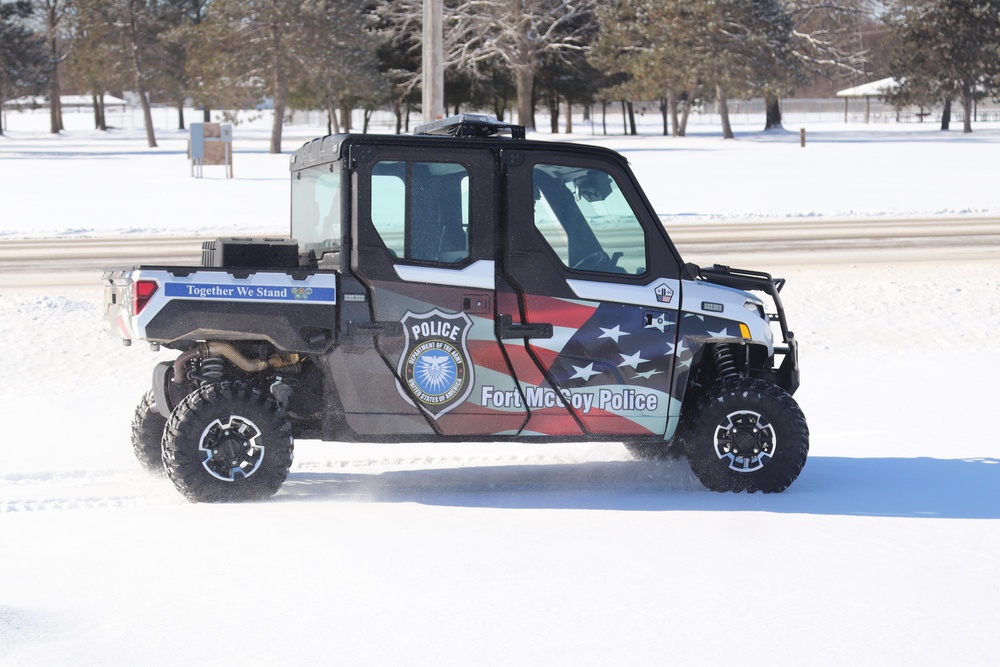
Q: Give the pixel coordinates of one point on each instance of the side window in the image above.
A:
(586, 220)
(316, 208)
(421, 210)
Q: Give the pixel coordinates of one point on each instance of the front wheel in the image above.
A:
(227, 442)
(746, 435)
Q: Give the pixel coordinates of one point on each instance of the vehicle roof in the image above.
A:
(324, 150)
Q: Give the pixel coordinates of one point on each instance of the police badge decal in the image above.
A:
(434, 366)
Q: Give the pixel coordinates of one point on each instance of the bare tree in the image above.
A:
(273, 47)
(823, 44)
(519, 33)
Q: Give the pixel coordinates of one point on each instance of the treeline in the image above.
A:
(501, 55)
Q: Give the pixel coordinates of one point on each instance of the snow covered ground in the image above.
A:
(885, 551)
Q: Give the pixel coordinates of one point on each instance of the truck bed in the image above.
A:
(176, 306)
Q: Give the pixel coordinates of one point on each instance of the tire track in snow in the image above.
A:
(59, 491)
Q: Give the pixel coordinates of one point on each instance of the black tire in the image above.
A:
(654, 451)
(746, 435)
(228, 442)
(147, 434)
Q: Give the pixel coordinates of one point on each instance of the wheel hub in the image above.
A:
(746, 439)
(231, 448)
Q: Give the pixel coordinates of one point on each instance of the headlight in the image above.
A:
(755, 306)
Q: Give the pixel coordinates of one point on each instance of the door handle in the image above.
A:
(507, 329)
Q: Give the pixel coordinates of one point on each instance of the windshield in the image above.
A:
(585, 218)
(316, 208)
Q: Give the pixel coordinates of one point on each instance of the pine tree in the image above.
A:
(947, 49)
(22, 55)
(716, 49)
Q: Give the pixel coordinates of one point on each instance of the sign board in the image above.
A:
(211, 144)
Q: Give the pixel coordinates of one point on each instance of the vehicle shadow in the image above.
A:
(897, 487)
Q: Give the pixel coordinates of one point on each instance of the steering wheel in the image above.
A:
(592, 261)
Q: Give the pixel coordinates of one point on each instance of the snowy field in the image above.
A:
(885, 551)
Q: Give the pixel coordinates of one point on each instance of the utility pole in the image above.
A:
(433, 62)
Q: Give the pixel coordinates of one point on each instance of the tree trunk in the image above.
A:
(946, 115)
(524, 78)
(397, 110)
(569, 116)
(554, 113)
(345, 117)
(331, 119)
(772, 111)
(147, 116)
(665, 112)
(206, 115)
(967, 110)
(631, 118)
(499, 106)
(55, 104)
(280, 90)
(720, 94)
(672, 105)
(147, 112)
(624, 118)
(689, 98)
(604, 116)
(100, 120)
(180, 114)
(137, 77)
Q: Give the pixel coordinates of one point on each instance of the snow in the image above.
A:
(884, 551)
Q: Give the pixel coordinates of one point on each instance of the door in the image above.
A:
(586, 255)
(424, 231)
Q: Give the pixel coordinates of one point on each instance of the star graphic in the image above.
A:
(720, 334)
(632, 360)
(660, 323)
(614, 333)
(680, 349)
(648, 374)
(585, 373)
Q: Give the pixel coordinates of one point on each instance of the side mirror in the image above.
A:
(692, 271)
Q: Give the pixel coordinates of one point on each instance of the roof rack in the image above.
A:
(470, 125)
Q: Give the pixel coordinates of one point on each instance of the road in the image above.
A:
(747, 243)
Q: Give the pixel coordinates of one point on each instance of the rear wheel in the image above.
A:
(228, 442)
(147, 434)
(746, 435)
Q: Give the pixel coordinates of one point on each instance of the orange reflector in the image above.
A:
(745, 331)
